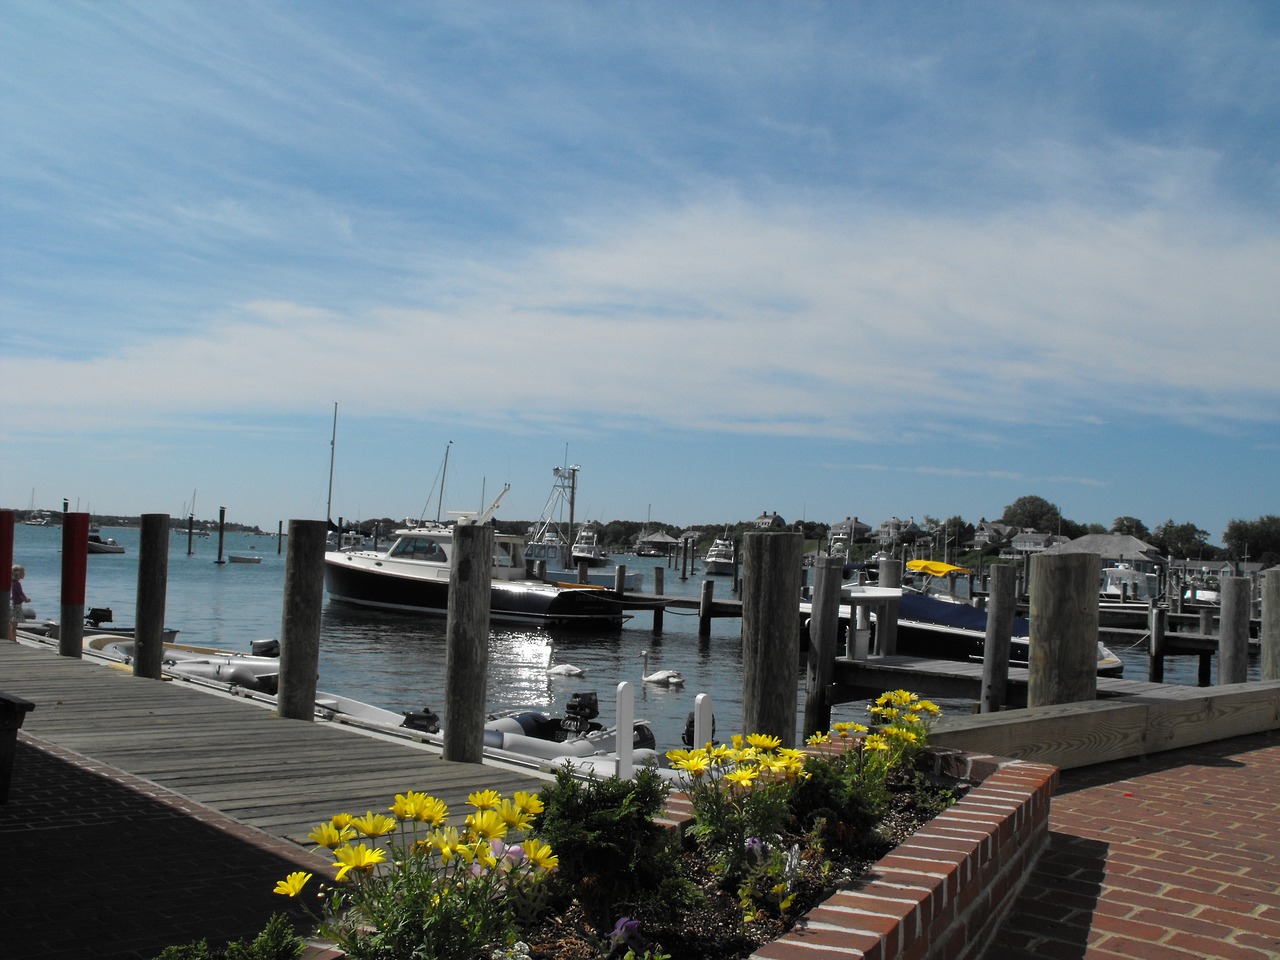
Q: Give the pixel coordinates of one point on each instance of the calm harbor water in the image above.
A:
(397, 661)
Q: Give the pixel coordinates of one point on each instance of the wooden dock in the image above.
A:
(235, 756)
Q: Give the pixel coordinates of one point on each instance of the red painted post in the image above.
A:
(75, 572)
(6, 569)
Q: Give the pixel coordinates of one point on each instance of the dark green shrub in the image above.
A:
(614, 859)
(277, 941)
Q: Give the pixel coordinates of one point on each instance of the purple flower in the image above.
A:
(626, 933)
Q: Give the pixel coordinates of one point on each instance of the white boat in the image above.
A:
(243, 558)
(94, 619)
(203, 663)
(719, 559)
(412, 575)
(586, 548)
(529, 737)
(100, 544)
(1123, 583)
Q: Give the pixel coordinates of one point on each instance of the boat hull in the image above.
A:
(359, 582)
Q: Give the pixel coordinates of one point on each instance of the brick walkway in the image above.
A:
(101, 864)
(1175, 857)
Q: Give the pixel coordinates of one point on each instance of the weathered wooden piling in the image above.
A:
(300, 621)
(153, 583)
(1157, 618)
(1063, 665)
(824, 626)
(75, 571)
(620, 579)
(999, 638)
(222, 529)
(1233, 630)
(771, 633)
(887, 633)
(1270, 636)
(659, 582)
(706, 603)
(466, 662)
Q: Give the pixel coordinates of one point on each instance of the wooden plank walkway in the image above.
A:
(234, 756)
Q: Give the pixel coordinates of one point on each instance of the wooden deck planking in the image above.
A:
(237, 757)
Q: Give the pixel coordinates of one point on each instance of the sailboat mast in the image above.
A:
(444, 475)
(333, 447)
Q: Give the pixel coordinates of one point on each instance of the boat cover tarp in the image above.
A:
(936, 568)
(926, 609)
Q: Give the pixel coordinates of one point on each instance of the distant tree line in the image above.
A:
(1247, 540)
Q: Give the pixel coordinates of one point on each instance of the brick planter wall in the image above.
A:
(941, 894)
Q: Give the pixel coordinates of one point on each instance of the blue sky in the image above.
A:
(820, 259)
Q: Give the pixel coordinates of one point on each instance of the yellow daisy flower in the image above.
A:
(514, 815)
(484, 799)
(292, 885)
(360, 857)
(487, 825)
(528, 802)
(540, 855)
(329, 836)
(374, 824)
(764, 741)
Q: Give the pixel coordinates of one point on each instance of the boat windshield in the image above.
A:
(419, 548)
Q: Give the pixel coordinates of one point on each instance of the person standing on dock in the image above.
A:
(17, 597)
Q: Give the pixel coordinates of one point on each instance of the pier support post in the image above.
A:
(222, 529)
(1271, 624)
(620, 579)
(659, 584)
(824, 625)
(466, 661)
(1157, 617)
(771, 633)
(300, 621)
(6, 573)
(705, 602)
(1063, 665)
(1233, 630)
(153, 581)
(75, 571)
(999, 637)
(887, 619)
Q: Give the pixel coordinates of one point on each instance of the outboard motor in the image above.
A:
(97, 616)
(265, 648)
(425, 720)
(687, 737)
(581, 709)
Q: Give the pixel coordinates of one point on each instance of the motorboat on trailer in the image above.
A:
(412, 576)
